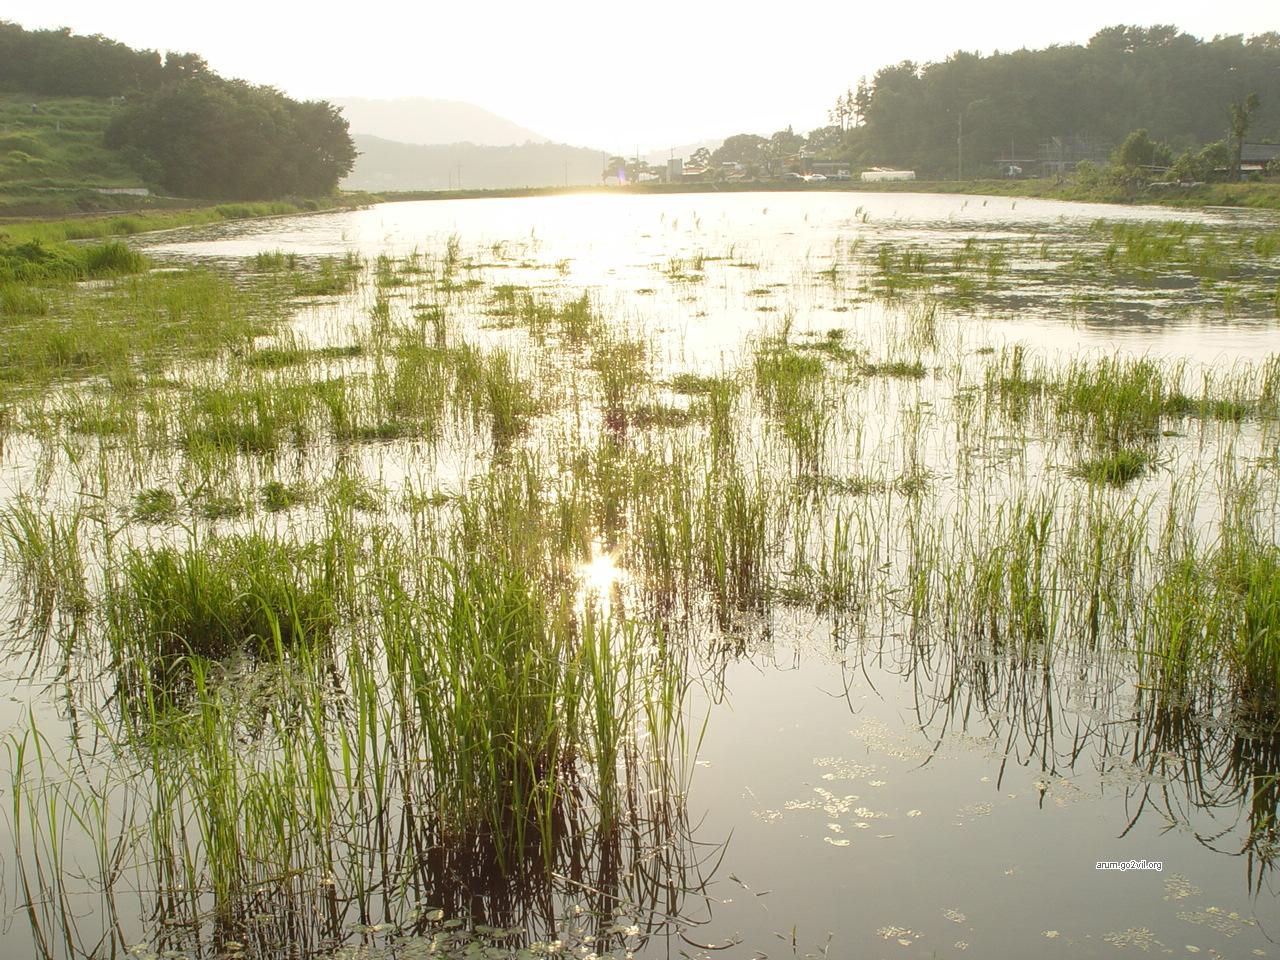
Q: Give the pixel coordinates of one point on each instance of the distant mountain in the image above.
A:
(683, 150)
(387, 165)
(422, 121)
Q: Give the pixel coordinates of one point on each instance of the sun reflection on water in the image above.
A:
(600, 578)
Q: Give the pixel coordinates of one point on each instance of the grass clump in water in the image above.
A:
(19, 300)
(240, 594)
(34, 263)
(278, 357)
(112, 259)
(1115, 469)
(792, 387)
(218, 506)
(274, 260)
(155, 505)
(898, 369)
(277, 496)
(135, 324)
(695, 385)
(1250, 572)
(253, 419)
(1118, 399)
(832, 343)
(46, 550)
(330, 278)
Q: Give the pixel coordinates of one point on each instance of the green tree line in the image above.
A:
(1189, 99)
(181, 125)
(974, 110)
(59, 63)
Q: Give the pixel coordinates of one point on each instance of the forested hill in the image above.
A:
(387, 165)
(184, 128)
(1176, 86)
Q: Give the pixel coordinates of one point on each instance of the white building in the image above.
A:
(880, 174)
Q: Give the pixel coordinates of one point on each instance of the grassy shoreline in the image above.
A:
(1253, 195)
(130, 222)
(127, 222)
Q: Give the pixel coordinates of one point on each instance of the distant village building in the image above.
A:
(881, 174)
(831, 169)
(675, 168)
(1254, 157)
(1014, 167)
(1060, 156)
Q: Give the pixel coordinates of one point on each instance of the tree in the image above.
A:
(615, 169)
(1199, 166)
(825, 140)
(60, 63)
(700, 157)
(209, 137)
(860, 101)
(320, 151)
(187, 129)
(185, 66)
(747, 149)
(845, 110)
(1092, 96)
(1140, 153)
(1241, 115)
(781, 147)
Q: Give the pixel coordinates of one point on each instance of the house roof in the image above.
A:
(1259, 152)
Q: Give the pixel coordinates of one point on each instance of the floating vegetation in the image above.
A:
(1139, 937)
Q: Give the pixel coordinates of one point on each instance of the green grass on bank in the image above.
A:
(141, 221)
(53, 158)
(54, 164)
(1261, 194)
(49, 143)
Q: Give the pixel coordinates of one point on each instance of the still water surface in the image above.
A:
(847, 795)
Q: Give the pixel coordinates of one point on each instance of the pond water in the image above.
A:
(613, 245)
(877, 779)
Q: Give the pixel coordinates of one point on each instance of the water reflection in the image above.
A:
(779, 450)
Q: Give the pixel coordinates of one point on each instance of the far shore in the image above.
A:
(134, 219)
(1259, 195)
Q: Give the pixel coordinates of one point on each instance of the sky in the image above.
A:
(612, 76)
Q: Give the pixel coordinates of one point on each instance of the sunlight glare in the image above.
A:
(600, 577)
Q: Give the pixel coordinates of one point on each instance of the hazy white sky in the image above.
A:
(611, 75)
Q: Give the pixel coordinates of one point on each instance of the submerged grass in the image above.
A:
(210, 600)
(447, 662)
(1115, 469)
(1120, 401)
(133, 326)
